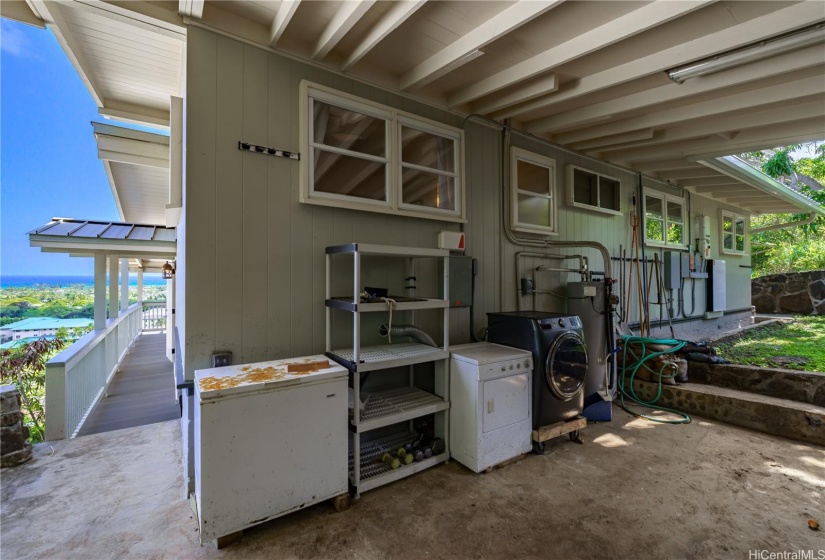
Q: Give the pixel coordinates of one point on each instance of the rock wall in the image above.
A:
(14, 447)
(801, 293)
(801, 386)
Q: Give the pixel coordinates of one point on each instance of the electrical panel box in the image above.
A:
(687, 265)
(716, 287)
(461, 281)
(672, 272)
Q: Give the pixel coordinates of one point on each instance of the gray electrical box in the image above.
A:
(461, 281)
(672, 269)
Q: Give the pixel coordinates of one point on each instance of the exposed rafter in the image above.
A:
(191, 8)
(399, 13)
(283, 16)
(460, 51)
(630, 24)
(775, 23)
(779, 65)
(783, 93)
(344, 19)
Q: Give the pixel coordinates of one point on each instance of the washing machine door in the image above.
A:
(566, 367)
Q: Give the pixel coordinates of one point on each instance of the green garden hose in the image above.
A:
(675, 345)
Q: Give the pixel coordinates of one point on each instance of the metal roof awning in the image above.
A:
(89, 237)
(739, 184)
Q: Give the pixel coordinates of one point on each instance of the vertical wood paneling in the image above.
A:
(302, 299)
(200, 199)
(255, 216)
(282, 116)
(243, 214)
(229, 199)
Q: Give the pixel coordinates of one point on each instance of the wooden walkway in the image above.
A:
(142, 392)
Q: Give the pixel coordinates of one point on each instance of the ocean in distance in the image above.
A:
(10, 281)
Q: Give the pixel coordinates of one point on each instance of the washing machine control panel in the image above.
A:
(559, 322)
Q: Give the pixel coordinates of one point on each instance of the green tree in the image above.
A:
(799, 248)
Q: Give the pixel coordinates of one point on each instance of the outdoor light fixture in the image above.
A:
(168, 270)
(752, 53)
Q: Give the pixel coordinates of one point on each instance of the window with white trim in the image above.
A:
(732, 229)
(366, 156)
(664, 219)
(533, 192)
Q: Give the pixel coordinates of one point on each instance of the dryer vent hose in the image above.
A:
(407, 330)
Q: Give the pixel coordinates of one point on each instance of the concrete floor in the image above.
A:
(633, 490)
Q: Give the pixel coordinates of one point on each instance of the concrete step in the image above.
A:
(771, 415)
(788, 384)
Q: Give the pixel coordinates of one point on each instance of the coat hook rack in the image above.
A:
(268, 151)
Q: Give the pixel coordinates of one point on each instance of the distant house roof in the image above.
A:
(43, 323)
(21, 341)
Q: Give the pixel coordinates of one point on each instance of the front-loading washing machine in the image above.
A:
(559, 356)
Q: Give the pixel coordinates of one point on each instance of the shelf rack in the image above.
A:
(397, 405)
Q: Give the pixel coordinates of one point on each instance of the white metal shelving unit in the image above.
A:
(397, 405)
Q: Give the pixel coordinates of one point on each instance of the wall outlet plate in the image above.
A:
(221, 359)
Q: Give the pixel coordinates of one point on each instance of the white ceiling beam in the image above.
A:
(458, 51)
(782, 64)
(753, 139)
(782, 93)
(615, 140)
(778, 22)
(719, 180)
(191, 8)
(344, 19)
(726, 127)
(666, 164)
(19, 11)
(628, 25)
(542, 86)
(395, 16)
(755, 198)
(50, 13)
(283, 16)
(718, 189)
(144, 116)
(691, 173)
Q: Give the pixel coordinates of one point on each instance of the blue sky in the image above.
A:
(48, 155)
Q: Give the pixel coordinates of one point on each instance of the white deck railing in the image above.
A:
(154, 316)
(78, 376)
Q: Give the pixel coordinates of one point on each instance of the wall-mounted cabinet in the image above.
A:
(593, 191)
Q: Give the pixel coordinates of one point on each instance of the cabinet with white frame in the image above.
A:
(397, 406)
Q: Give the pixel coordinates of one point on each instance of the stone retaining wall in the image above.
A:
(773, 382)
(14, 445)
(801, 293)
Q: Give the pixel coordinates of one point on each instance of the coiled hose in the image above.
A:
(630, 393)
(407, 330)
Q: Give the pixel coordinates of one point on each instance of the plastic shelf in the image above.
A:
(398, 405)
(388, 356)
(346, 304)
(375, 473)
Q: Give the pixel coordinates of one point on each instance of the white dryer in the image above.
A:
(490, 404)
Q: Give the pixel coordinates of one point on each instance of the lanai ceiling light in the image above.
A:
(764, 49)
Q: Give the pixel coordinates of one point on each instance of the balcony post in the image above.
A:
(124, 285)
(140, 285)
(100, 291)
(114, 263)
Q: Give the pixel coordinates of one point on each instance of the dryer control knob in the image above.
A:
(562, 323)
(518, 366)
(511, 366)
(527, 364)
(503, 368)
